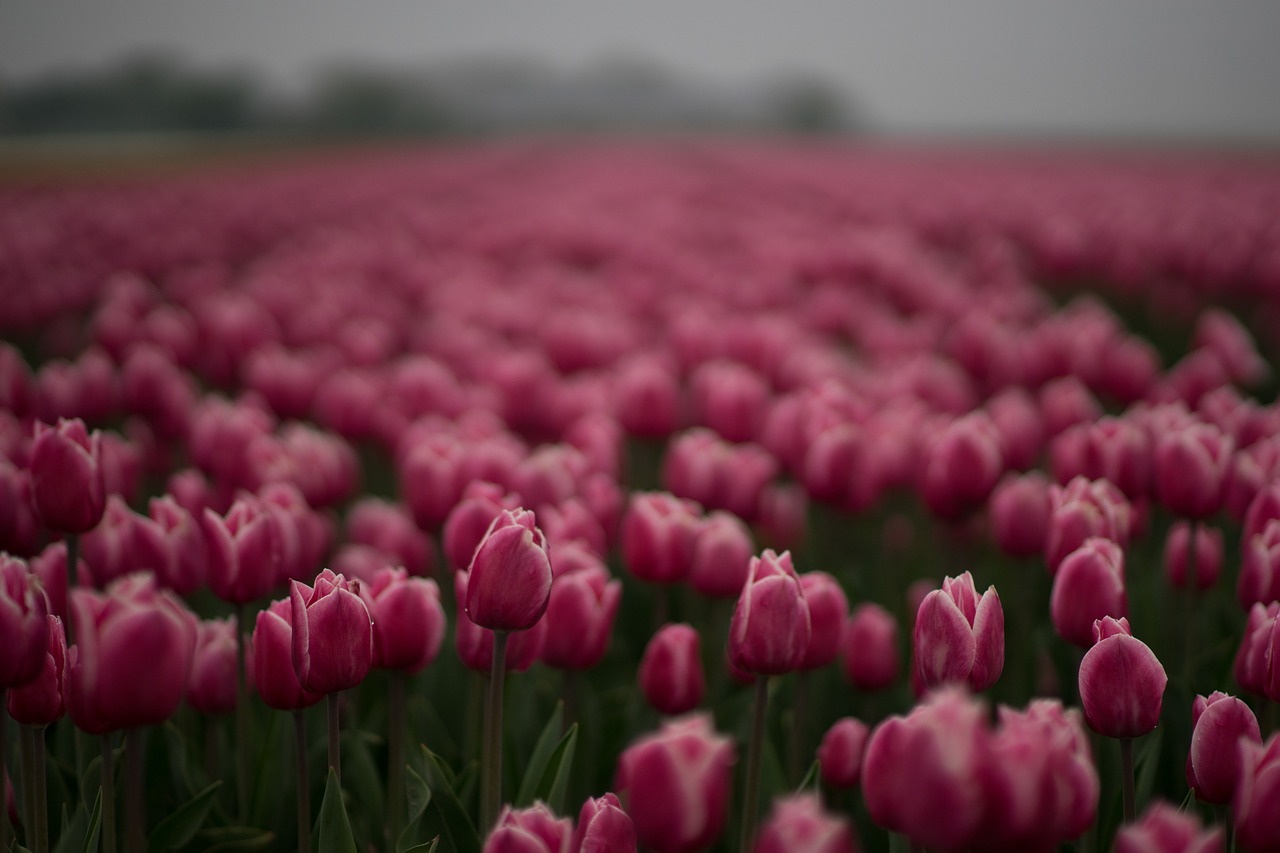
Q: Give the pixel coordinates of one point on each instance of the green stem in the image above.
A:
(135, 807)
(243, 749)
(40, 791)
(570, 688)
(304, 784)
(335, 745)
(1126, 770)
(1189, 625)
(108, 797)
(492, 776)
(395, 757)
(751, 790)
(28, 781)
(799, 710)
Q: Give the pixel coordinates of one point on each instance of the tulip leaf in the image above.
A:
(81, 833)
(363, 782)
(555, 778)
(426, 847)
(237, 839)
(334, 831)
(542, 750)
(810, 778)
(419, 797)
(184, 822)
(445, 814)
(1145, 765)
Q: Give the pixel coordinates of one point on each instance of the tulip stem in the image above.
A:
(335, 745)
(243, 752)
(40, 791)
(395, 757)
(4, 806)
(799, 710)
(135, 807)
(28, 783)
(492, 786)
(1126, 770)
(108, 797)
(304, 784)
(1188, 632)
(751, 790)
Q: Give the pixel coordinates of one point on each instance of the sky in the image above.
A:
(1150, 68)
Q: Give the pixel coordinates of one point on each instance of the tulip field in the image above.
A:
(554, 496)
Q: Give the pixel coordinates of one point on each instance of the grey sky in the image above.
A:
(1186, 68)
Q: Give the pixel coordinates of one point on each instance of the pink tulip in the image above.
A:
(390, 528)
(408, 620)
(1208, 555)
(799, 822)
(430, 482)
(722, 550)
(1121, 682)
(1065, 402)
(1165, 829)
(50, 566)
(869, 648)
(1218, 723)
(770, 631)
(24, 630)
(603, 827)
(676, 784)
(828, 609)
(19, 526)
(509, 583)
(212, 686)
(959, 635)
(730, 398)
(469, 520)
(671, 670)
(580, 615)
(67, 486)
(245, 551)
(961, 466)
(332, 633)
(44, 701)
(840, 754)
(1190, 469)
(1259, 580)
(272, 669)
(132, 621)
(532, 830)
(647, 398)
(658, 535)
(1221, 334)
(1256, 806)
(1088, 586)
(1020, 508)
(1255, 667)
(1085, 508)
(184, 542)
(475, 644)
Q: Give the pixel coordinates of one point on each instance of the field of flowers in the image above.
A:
(555, 497)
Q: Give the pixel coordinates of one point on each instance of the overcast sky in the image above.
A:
(1181, 68)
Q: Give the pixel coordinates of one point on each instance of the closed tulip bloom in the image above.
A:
(1264, 507)
(475, 644)
(1208, 545)
(408, 620)
(1259, 581)
(509, 582)
(245, 551)
(770, 631)
(798, 822)
(429, 479)
(658, 533)
(50, 566)
(1190, 469)
(1088, 586)
(828, 608)
(186, 569)
(1020, 507)
(44, 701)
(676, 784)
(272, 668)
(1081, 509)
(959, 636)
(467, 524)
(671, 670)
(840, 753)
(1218, 723)
(961, 466)
(332, 634)
(1118, 451)
(135, 648)
(580, 615)
(869, 647)
(924, 771)
(1256, 807)
(212, 687)
(1121, 682)
(603, 827)
(1166, 829)
(722, 550)
(646, 398)
(19, 527)
(24, 631)
(389, 527)
(108, 548)
(532, 830)
(67, 486)
(1255, 665)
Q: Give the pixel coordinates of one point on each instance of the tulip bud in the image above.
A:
(509, 582)
(184, 542)
(828, 608)
(475, 644)
(603, 827)
(389, 528)
(1117, 451)
(647, 398)
(50, 566)
(1256, 807)
(579, 618)
(212, 687)
(1259, 581)
(132, 622)
(671, 670)
(467, 524)
(408, 621)
(1083, 509)
(1020, 507)
(658, 534)
(870, 648)
(1065, 402)
(840, 754)
(332, 634)
(273, 674)
(961, 466)
(1165, 829)
(721, 552)
(19, 527)
(44, 701)
(676, 783)
(429, 479)
(1255, 669)
(1121, 682)
(1208, 545)
(1088, 586)
(1218, 723)
(729, 397)
(245, 551)
(1190, 469)
(67, 486)
(959, 636)
(770, 630)
(798, 822)
(24, 631)
(532, 830)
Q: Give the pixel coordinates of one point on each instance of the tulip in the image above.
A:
(647, 398)
(186, 568)
(722, 550)
(676, 784)
(1165, 829)
(1259, 581)
(467, 524)
(770, 631)
(1218, 723)
(1082, 509)
(1088, 586)
(1208, 555)
(671, 670)
(1256, 806)
(1221, 334)
(133, 621)
(961, 466)
(509, 583)
(43, 701)
(532, 830)
(658, 535)
(408, 620)
(67, 486)
(1117, 451)
(24, 630)
(1191, 468)
(1020, 507)
(332, 634)
(840, 754)
(959, 636)
(212, 686)
(580, 616)
(603, 827)
(869, 647)
(828, 608)
(1255, 669)
(108, 549)
(274, 677)
(730, 398)
(1065, 402)
(430, 481)
(19, 527)
(245, 551)
(798, 822)
(572, 521)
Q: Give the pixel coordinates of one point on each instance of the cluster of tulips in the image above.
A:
(793, 498)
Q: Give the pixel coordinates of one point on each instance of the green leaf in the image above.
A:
(542, 750)
(453, 822)
(95, 825)
(427, 847)
(1145, 765)
(363, 783)
(237, 839)
(334, 832)
(810, 778)
(184, 822)
(555, 779)
(419, 797)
